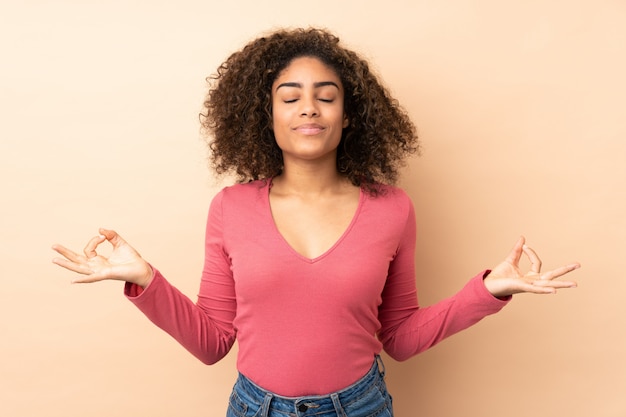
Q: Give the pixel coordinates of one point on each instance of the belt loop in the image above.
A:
(381, 365)
(337, 404)
(265, 408)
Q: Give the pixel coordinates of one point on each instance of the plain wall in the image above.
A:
(521, 110)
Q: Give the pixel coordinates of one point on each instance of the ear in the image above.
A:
(346, 121)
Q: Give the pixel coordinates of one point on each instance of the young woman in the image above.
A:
(310, 257)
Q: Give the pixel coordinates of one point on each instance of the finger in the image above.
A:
(535, 288)
(554, 284)
(535, 262)
(112, 236)
(79, 268)
(516, 253)
(555, 273)
(90, 248)
(67, 253)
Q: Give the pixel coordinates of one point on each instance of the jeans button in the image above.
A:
(302, 408)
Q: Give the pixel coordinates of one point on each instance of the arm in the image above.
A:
(204, 328)
(408, 329)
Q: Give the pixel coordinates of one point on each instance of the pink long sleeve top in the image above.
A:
(308, 326)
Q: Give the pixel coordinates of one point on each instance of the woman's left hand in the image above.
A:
(507, 278)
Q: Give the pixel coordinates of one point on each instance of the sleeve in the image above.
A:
(204, 328)
(408, 329)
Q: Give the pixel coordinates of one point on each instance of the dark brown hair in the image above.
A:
(237, 115)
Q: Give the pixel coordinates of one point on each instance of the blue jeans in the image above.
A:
(368, 397)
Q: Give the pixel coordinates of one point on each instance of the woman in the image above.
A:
(310, 257)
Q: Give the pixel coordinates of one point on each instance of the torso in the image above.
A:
(308, 324)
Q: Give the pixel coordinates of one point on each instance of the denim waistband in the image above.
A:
(316, 405)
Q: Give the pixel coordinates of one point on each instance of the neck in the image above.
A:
(310, 179)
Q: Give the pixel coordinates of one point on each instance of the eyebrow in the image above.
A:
(315, 85)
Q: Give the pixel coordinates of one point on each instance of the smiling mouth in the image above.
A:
(309, 129)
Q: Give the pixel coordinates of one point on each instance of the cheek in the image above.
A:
(280, 118)
(279, 127)
(277, 122)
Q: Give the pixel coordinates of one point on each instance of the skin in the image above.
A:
(307, 113)
(507, 278)
(312, 204)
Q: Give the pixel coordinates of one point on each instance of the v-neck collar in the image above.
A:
(346, 232)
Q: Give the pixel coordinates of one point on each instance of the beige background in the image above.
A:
(521, 109)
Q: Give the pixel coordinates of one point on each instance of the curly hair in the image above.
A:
(237, 117)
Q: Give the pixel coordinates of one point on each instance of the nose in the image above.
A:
(308, 107)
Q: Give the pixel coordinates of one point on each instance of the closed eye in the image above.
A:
(323, 100)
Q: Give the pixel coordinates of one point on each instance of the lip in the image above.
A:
(309, 128)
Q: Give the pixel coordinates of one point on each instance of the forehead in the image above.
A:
(307, 68)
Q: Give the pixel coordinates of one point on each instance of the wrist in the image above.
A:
(495, 287)
(146, 277)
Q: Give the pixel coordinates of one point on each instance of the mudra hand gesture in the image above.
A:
(123, 264)
(507, 278)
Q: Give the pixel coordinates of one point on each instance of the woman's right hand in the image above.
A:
(123, 264)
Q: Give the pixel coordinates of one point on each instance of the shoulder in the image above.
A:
(390, 206)
(245, 191)
(241, 196)
(390, 196)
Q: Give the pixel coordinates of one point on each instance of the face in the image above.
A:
(307, 110)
